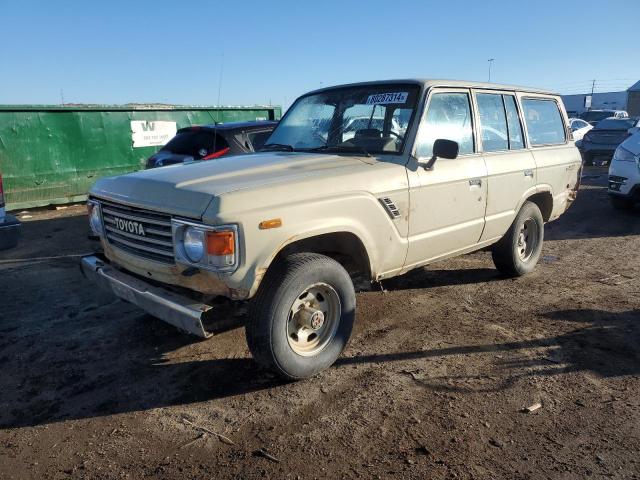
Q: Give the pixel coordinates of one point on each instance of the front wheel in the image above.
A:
(301, 318)
(518, 251)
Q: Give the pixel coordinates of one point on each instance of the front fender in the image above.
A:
(358, 213)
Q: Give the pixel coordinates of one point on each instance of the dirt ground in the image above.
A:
(432, 385)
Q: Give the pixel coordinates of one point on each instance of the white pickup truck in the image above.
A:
(473, 166)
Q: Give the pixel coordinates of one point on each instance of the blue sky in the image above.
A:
(161, 51)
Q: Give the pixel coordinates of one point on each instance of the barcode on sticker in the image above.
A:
(385, 98)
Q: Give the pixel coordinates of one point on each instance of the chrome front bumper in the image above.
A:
(179, 311)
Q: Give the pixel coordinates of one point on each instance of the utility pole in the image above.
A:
(593, 87)
(490, 64)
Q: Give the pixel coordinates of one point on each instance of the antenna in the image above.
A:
(490, 64)
(220, 79)
(215, 138)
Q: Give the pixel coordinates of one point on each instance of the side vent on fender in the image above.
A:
(390, 207)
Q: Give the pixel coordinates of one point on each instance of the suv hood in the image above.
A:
(187, 190)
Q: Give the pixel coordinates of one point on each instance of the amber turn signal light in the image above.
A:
(220, 243)
(273, 223)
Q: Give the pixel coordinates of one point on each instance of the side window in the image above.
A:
(258, 139)
(493, 123)
(516, 138)
(448, 117)
(577, 125)
(544, 123)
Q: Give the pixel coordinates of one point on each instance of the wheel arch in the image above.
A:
(544, 200)
(345, 247)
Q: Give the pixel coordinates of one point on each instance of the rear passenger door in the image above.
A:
(511, 168)
(557, 159)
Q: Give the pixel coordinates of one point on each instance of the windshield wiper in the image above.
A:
(340, 148)
(277, 146)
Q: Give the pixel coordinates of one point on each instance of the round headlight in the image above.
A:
(94, 220)
(193, 242)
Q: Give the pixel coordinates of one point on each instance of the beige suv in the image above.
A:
(442, 168)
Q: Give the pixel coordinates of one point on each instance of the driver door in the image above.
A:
(448, 202)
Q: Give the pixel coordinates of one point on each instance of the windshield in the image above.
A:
(616, 124)
(595, 116)
(369, 119)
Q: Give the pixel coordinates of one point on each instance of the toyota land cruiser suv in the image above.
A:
(452, 167)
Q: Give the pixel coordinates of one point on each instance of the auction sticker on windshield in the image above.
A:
(385, 98)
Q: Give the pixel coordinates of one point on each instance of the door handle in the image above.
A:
(528, 173)
(475, 182)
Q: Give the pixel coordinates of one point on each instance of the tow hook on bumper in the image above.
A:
(179, 311)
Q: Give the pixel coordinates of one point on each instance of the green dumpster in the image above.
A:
(53, 154)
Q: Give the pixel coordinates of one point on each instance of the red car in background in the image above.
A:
(208, 142)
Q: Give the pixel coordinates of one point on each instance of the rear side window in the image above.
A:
(196, 143)
(499, 122)
(578, 124)
(544, 123)
(493, 122)
(448, 117)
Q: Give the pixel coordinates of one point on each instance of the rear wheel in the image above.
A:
(518, 251)
(620, 203)
(301, 318)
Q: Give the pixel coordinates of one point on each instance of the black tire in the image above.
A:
(269, 314)
(620, 203)
(506, 253)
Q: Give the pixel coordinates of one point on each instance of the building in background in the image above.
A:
(628, 100)
(633, 100)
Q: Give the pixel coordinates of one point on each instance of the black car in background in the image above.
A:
(208, 142)
(599, 143)
(594, 116)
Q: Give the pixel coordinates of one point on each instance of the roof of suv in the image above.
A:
(429, 83)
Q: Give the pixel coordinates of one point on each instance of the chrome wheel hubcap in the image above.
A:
(313, 319)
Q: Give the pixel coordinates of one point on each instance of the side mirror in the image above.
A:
(442, 148)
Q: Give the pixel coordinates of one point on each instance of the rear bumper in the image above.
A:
(600, 153)
(9, 232)
(177, 310)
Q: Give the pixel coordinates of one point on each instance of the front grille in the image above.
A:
(616, 179)
(140, 232)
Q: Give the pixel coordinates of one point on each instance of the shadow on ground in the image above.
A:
(591, 215)
(91, 375)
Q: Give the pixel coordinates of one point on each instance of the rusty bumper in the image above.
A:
(178, 310)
